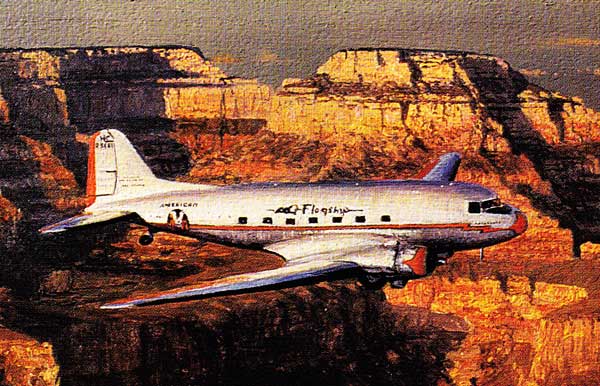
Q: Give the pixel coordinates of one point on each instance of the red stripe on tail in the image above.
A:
(428, 167)
(90, 191)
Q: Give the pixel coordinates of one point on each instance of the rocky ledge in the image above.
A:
(527, 315)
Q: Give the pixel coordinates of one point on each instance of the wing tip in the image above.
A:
(48, 230)
(87, 219)
(116, 306)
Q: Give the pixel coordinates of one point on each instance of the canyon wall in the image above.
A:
(364, 114)
(471, 103)
(523, 330)
(96, 85)
(25, 361)
(430, 93)
(50, 98)
(421, 102)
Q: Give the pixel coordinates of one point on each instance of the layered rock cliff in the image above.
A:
(536, 148)
(527, 325)
(100, 84)
(430, 94)
(365, 114)
(25, 361)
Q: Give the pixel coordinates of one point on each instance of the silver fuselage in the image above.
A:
(417, 212)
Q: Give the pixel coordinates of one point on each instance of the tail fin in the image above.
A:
(115, 168)
(444, 170)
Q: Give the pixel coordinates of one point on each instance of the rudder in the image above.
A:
(115, 168)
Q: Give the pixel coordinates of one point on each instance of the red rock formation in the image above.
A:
(8, 211)
(4, 112)
(560, 119)
(58, 182)
(366, 114)
(516, 335)
(409, 104)
(25, 361)
(475, 104)
(88, 85)
(440, 97)
(228, 99)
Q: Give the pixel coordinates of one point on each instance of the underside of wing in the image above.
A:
(87, 219)
(297, 271)
(444, 170)
(306, 257)
(326, 246)
(371, 252)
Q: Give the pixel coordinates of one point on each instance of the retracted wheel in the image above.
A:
(372, 281)
(398, 283)
(146, 239)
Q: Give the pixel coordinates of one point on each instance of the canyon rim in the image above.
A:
(527, 315)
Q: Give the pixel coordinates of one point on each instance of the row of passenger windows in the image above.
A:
(314, 220)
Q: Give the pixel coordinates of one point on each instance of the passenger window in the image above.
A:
(267, 220)
(312, 220)
(243, 220)
(336, 220)
(290, 221)
(360, 219)
(474, 207)
(385, 218)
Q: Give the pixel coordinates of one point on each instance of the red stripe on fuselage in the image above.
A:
(267, 228)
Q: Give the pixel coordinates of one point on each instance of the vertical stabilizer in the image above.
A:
(115, 168)
(444, 170)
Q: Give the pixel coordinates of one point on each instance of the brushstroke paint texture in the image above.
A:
(556, 41)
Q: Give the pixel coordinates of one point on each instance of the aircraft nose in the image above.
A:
(520, 224)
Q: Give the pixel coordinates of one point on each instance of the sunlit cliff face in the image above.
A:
(515, 336)
(281, 39)
(525, 315)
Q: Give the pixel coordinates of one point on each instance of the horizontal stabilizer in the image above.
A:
(444, 170)
(289, 273)
(86, 219)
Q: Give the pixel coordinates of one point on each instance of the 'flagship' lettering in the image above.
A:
(314, 209)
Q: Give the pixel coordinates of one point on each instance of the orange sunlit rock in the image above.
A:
(25, 361)
(513, 336)
(58, 182)
(530, 310)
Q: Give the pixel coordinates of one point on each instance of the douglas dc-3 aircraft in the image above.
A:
(389, 230)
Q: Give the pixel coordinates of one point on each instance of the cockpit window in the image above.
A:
(487, 204)
(474, 207)
(502, 209)
(494, 206)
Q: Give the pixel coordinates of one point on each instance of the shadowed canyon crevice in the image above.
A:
(526, 315)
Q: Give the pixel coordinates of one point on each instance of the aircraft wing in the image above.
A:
(444, 170)
(299, 270)
(86, 219)
(306, 257)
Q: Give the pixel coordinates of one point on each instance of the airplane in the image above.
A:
(389, 231)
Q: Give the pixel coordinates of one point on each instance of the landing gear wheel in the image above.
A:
(372, 281)
(146, 239)
(398, 283)
(185, 224)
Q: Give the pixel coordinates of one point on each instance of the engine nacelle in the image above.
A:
(412, 260)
